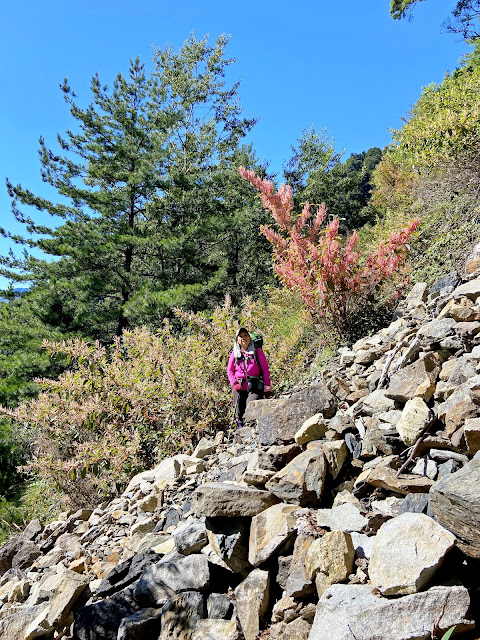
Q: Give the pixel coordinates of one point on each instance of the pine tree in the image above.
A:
(142, 214)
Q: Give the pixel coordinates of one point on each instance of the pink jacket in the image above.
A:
(237, 372)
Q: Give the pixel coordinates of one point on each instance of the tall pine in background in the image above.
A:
(150, 206)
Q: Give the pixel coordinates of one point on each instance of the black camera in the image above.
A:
(254, 385)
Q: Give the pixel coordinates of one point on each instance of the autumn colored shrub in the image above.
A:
(324, 268)
(121, 409)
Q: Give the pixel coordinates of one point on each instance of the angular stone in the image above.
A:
(472, 434)
(229, 539)
(147, 623)
(345, 612)
(101, 620)
(437, 329)
(299, 583)
(172, 574)
(232, 500)
(455, 502)
(203, 448)
(462, 393)
(469, 289)
(191, 538)
(269, 531)
(219, 605)
(345, 517)
(377, 402)
(415, 417)
(407, 552)
(415, 380)
(282, 422)
(251, 598)
(215, 630)
(301, 481)
(418, 294)
(20, 622)
(70, 587)
(457, 414)
(336, 454)
(312, 429)
(180, 616)
(362, 544)
(425, 467)
(298, 629)
(386, 478)
(26, 554)
(330, 560)
(281, 455)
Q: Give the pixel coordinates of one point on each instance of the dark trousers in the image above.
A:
(240, 401)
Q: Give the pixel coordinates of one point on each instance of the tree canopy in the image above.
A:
(464, 18)
(148, 203)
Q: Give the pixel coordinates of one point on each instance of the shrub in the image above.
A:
(120, 409)
(324, 268)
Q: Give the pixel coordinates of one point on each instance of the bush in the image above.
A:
(118, 410)
(335, 284)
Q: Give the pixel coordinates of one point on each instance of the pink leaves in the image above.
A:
(319, 264)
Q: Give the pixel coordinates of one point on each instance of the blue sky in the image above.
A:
(346, 66)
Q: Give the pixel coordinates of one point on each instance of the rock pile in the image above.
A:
(349, 508)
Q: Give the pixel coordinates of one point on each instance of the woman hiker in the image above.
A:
(248, 373)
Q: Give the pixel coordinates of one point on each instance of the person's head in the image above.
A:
(243, 338)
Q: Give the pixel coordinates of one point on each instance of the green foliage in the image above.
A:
(464, 18)
(317, 176)
(150, 210)
(120, 409)
(449, 633)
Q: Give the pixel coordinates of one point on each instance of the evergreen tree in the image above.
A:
(143, 215)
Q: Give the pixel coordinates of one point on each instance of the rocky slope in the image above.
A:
(347, 509)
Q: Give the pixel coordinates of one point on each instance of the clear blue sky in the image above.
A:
(346, 66)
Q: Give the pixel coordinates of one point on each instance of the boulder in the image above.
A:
(312, 429)
(302, 480)
(251, 597)
(345, 517)
(299, 583)
(282, 422)
(329, 560)
(415, 417)
(228, 537)
(215, 630)
(173, 574)
(455, 503)
(345, 612)
(269, 531)
(415, 380)
(222, 499)
(407, 552)
(101, 620)
(180, 615)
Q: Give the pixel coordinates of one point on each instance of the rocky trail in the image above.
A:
(348, 509)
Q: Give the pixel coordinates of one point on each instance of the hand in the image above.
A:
(267, 389)
(237, 386)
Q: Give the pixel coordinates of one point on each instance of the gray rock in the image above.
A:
(228, 537)
(283, 421)
(147, 623)
(414, 503)
(251, 598)
(173, 574)
(126, 573)
(455, 502)
(415, 380)
(377, 402)
(219, 606)
(362, 544)
(345, 612)
(437, 330)
(299, 582)
(407, 552)
(269, 531)
(16, 625)
(302, 480)
(180, 616)
(345, 517)
(284, 563)
(232, 500)
(215, 630)
(468, 289)
(101, 620)
(191, 538)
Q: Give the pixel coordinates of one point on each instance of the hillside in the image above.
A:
(347, 507)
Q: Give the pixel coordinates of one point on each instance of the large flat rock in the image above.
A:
(455, 502)
(406, 553)
(345, 612)
(279, 420)
(232, 500)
